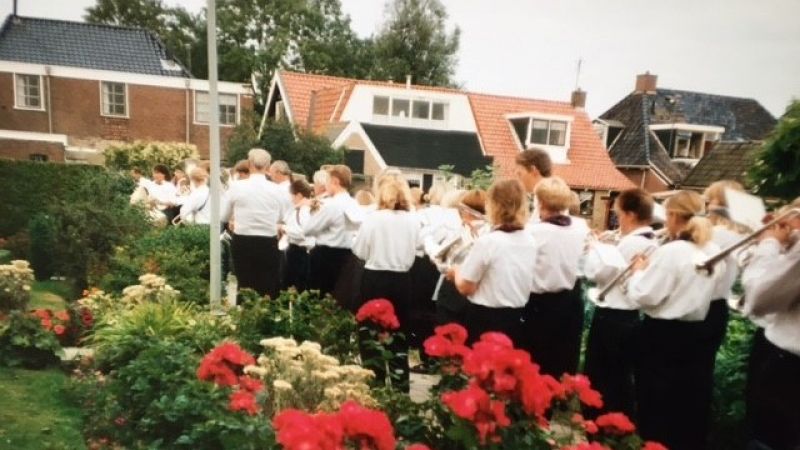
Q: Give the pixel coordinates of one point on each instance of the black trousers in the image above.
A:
(422, 308)
(773, 406)
(481, 319)
(256, 262)
(671, 383)
(296, 274)
(552, 330)
(395, 287)
(325, 266)
(451, 307)
(610, 357)
(715, 326)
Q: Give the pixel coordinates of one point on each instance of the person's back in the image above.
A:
(258, 205)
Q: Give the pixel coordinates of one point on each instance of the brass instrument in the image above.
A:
(622, 277)
(707, 266)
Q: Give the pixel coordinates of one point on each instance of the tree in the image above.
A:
(304, 151)
(414, 41)
(776, 171)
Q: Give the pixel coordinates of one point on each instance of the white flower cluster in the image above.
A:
(15, 284)
(303, 377)
(97, 301)
(151, 287)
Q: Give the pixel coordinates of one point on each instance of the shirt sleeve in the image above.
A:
(476, 263)
(771, 280)
(595, 268)
(362, 244)
(317, 222)
(190, 205)
(651, 286)
(227, 204)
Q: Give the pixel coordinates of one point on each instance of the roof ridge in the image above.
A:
(87, 24)
(646, 128)
(707, 94)
(511, 97)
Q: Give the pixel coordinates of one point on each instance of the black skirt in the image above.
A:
(256, 262)
(610, 357)
(772, 407)
(424, 277)
(451, 306)
(552, 330)
(296, 274)
(480, 319)
(671, 383)
(325, 266)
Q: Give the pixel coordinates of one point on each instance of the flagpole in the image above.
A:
(215, 288)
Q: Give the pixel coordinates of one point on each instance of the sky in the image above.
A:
(531, 48)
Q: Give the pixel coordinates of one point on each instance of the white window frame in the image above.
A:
(410, 120)
(41, 93)
(223, 125)
(103, 113)
(558, 153)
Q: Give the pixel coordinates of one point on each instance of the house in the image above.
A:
(70, 89)
(418, 129)
(656, 136)
(726, 161)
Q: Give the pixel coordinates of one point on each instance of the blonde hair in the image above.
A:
(474, 199)
(575, 205)
(198, 175)
(691, 207)
(507, 205)
(452, 198)
(341, 173)
(553, 194)
(436, 193)
(715, 193)
(364, 197)
(394, 194)
(416, 196)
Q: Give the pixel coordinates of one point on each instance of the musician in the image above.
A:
(332, 224)
(162, 193)
(554, 314)
(609, 356)
(772, 289)
(297, 253)
(671, 382)
(532, 166)
(320, 180)
(259, 205)
(196, 209)
(496, 275)
(281, 174)
(386, 242)
(468, 206)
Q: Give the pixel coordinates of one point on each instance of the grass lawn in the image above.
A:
(34, 413)
(49, 294)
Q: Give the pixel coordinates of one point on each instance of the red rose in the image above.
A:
(453, 332)
(379, 312)
(43, 314)
(586, 446)
(650, 445)
(582, 387)
(62, 316)
(59, 330)
(298, 430)
(440, 347)
(224, 364)
(366, 427)
(474, 405)
(418, 447)
(47, 324)
(615, 423)
(250, 384)
(242, 400)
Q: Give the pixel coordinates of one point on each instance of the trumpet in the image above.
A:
(623, 276)
(707, 266)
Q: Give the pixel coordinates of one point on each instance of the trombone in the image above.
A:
(626, 273)
(707, 266)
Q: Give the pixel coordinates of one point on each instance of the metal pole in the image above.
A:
(215, 288)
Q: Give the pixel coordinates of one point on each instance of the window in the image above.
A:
(280, 110)
(400, 108)
(380, 106)
(546, 132)
(227, 108)
(29, 92)
(421, 110)
(587, 202)
(439, 111)
(38, 157)
(538, 132)
(114, 99)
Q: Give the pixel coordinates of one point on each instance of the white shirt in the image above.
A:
(501, 264)
(163, 193)
(437, 224)
(336, 221)
(602, 272)
(197, 206)
(285, 185)
(724, 237)
(293, 226)
(387, 240)
(558, 252)
(671, 287)
(772, 289)
(257, 205)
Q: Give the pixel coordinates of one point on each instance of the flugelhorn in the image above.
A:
(707, 266)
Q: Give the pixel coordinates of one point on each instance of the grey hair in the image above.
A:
(321, 177)
(259, 158)
(281, 167)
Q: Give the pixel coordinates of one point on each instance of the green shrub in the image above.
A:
(42, 229)
(303, 316)
(179, 254)
(24, 342)
(144, 155)
(5, 256)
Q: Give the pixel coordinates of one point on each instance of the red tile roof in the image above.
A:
(590, 166)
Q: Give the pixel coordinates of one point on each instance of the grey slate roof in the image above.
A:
(726, 161)
(427, 149)
(744, 119)
(89, 46)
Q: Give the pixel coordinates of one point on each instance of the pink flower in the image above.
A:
(379, 312)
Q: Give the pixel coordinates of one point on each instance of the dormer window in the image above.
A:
(548, 132)
(409, 111)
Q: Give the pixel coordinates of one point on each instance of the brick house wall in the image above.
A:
(16, 149)
(154, 113)
(652, 182)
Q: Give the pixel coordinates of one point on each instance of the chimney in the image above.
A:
(408, 81)
(646, 83)
(578, 99)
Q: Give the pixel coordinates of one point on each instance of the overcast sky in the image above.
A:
(530, 48)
